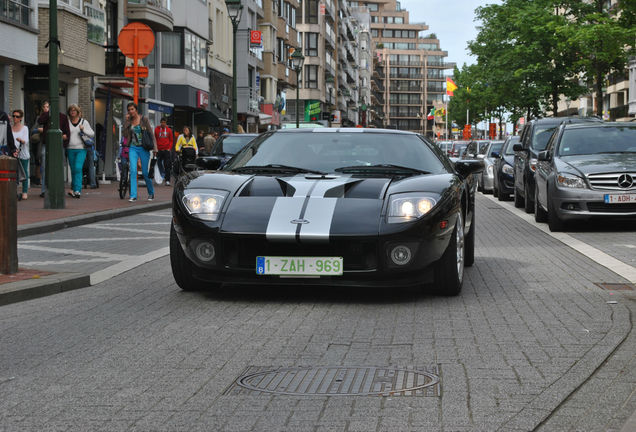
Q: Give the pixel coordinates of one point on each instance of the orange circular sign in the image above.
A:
(137, 33)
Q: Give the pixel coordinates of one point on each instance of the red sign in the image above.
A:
(256, 37)
(142, 71)
(467, 132)
(203, 99)
(322, 8)
(136, 41)
(492, 130)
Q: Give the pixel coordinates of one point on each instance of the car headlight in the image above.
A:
(570, 181)
(409, 207)
(204, 204)
(507, 169)
(489, 170)
(533, 164)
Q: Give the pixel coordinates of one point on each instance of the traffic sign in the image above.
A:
(142, 71)
(139, 34)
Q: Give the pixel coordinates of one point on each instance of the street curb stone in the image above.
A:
(72, 221)
(44, 286)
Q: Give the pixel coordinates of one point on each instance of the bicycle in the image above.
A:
(124, 173)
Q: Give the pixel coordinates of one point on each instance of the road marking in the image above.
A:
(84, 240)
(135, 224)
(84, 253)
(69, 261)
(124, 266)
(118, 228)
(622, 269)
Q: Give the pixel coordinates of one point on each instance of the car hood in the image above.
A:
(312, 207)
(601, 163)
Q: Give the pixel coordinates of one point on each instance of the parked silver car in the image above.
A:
(587, 170)
(486, 182)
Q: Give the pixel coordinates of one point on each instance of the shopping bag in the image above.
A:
(158, 177)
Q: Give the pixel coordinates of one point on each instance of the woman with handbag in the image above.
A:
(21, 140)
(80, 130)
(138, 132)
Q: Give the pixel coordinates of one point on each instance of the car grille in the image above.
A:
(601, 207)
(610, 181)
(356, 254)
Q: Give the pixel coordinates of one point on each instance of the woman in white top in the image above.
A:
(76, 150)
(21, 139)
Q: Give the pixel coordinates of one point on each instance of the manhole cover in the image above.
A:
(616, 286)
(339, 381)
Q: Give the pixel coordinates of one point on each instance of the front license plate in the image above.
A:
(619, 198)
(299, 266)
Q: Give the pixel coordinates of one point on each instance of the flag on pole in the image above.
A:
(450, 86)
(431, 115)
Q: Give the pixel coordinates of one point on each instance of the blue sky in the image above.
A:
(451, 20)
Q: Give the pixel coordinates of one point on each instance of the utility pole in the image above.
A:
(54, 197)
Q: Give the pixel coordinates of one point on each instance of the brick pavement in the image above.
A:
(135, 353)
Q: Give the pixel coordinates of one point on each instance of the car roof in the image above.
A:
(337, 130)
(569, 119)
(598, 125)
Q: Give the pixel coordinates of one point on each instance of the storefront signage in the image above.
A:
(203, 99)
(256, 38)
(312, 110)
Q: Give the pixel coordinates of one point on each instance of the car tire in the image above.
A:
(182, 267)
(469, 243)
(528, 204)
(449, 270)
(518, 198)
(555, 223)
(495, 192)
(540, 215)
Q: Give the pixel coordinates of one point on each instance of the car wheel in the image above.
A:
(495, 192)
(469, 243)
(449, 270)
(527, 200)
(540, 215)
(554, 222)
(182, 267)
(518, 198)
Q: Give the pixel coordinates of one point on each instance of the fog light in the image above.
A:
(401, 255)
(204, 251)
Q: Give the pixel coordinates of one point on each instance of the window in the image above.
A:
(280, 50)
(311, 76)
(311, 12)
(96, 24)
(311, 44)
(171, 52)
(373, 7)
(195, 53)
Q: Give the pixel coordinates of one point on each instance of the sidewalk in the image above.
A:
(95, 205)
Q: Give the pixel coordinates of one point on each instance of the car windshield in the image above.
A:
(495, 147)
(347, 151)
(607, 139)
(511, 142)
(231, 144)
(542, 136)
(483, 148)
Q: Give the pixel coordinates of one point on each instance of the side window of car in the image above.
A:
(552, 141)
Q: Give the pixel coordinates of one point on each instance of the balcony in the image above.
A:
(14, 12)
(154, 13)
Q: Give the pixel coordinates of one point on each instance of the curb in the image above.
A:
(45, 286)
(83, 219)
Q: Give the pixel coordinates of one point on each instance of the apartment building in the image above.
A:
(19, 33)
(411, 80)
(280, 38)
(220, 63)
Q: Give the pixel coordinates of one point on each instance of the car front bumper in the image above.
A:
(576, 204)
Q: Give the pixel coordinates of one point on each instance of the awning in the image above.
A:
(219, 115)
(213, 118)
(264, 119)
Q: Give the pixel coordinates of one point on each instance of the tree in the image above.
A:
(603, 39)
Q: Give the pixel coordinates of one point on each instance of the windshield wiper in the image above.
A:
(390, 168)
(276, 168)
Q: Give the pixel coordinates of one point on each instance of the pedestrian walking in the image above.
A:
(165, 140)
(76, 149)
(200, 138)
(208, 141)
(133, 130)
(21, 141)
(186, 140)
(44, 121)
(7, 143)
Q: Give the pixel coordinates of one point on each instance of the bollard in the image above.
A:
(8, 215)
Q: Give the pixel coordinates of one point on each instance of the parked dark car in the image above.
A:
(587, 170)
(347, 206)
(503, 169)
(227, 146)
(534, 139)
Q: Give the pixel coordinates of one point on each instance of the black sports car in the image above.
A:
(356, 207)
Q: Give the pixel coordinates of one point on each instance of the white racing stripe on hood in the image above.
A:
(308, 213)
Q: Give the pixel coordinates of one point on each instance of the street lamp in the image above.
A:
(234, 9)
(297, 60)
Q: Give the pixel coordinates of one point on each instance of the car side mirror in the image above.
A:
(544, 156)
(467, 167)
(209, 163)
(517, 147)
(495, 155)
